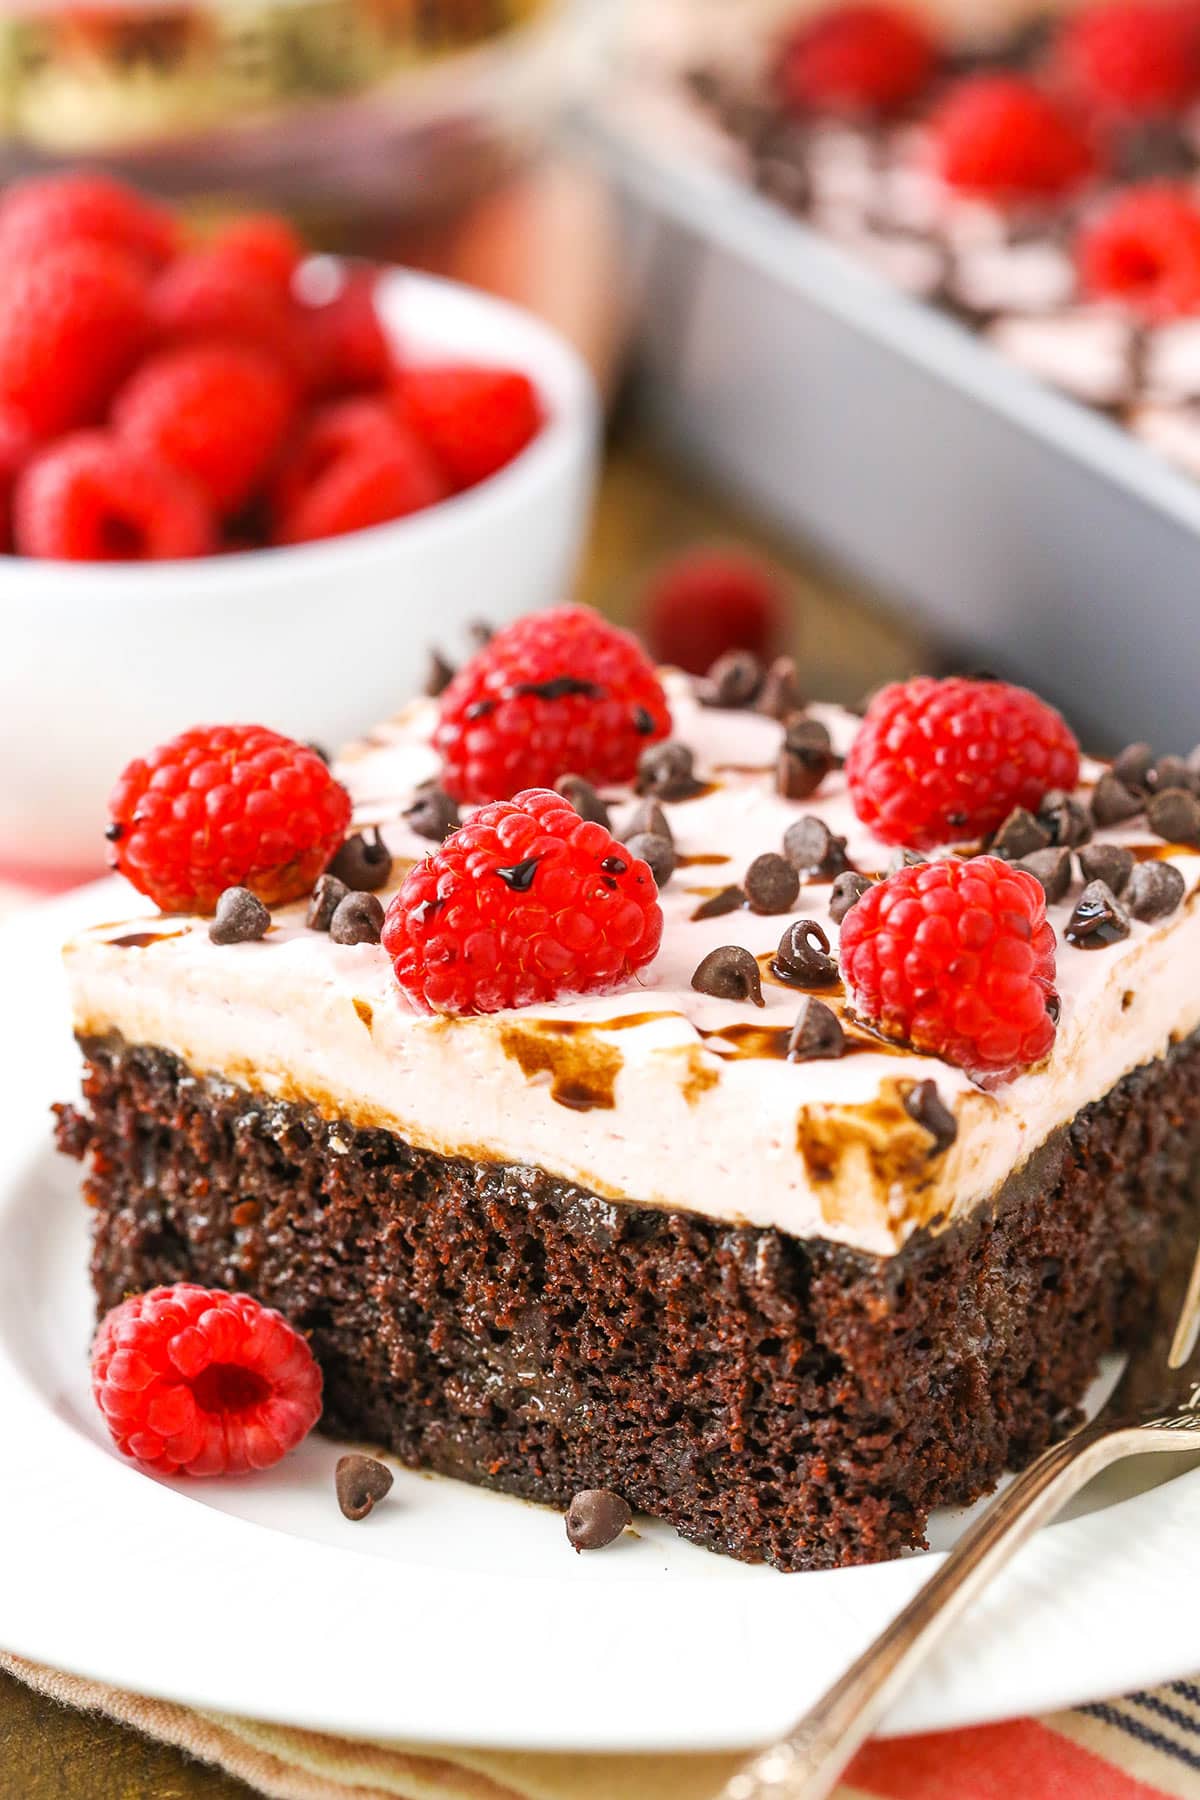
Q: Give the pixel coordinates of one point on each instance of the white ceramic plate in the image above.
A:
(453, 1615)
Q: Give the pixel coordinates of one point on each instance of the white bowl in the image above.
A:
(100, 662)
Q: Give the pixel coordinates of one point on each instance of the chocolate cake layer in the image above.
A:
(775, 1399)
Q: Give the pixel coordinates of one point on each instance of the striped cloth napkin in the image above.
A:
(1145, 1747)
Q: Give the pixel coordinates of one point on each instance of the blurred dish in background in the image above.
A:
(358, 106)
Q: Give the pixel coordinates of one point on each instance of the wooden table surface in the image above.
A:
(646, 511)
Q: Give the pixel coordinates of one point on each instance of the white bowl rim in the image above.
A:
(564, 382)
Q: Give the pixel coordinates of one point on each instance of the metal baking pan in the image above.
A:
(1038, 536)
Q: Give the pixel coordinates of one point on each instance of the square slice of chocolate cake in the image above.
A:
(709, 1240)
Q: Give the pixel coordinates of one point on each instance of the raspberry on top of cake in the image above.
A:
(688, 943)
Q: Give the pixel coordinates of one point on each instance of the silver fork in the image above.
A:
(1155, 1406)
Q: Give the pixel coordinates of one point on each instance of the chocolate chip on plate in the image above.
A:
(817, 1034)
(1098, 920)
(925, 1106)
(805, 758)
(848, 889)
(327, 896)
(241, 918)
(1110, 863)
(1020, 835)
(781, 697)
(583, 797)
(1171, 772)
(1113, 802)
(725, 900)
(1052, 868)
(363, 863)
(729, 973)
(803, 958)
(667, 771)
(771, 883)
(811, 847)
(596, 1518)
(357, 920)
(1132, 767)
(904, 859)
(1154, 891)
(647, 816)
(734, 681)
(439, 676)
(658, 852)
(432, 814)
(361, 1483)
(1064, 818)
(1175, 816)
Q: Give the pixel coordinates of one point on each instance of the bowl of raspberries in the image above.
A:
(230, 465)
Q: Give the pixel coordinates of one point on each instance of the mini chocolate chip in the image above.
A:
(658, 852)
(363, 865)
(1132, 767)
(726, 900)
(114, 832)
(1053, 1008)
(1171, 772)
(327, 896)
(643, 722)
(357, 920)
(811, 847)
(1064, 818)
(771, 884)
(1155, 890)
(848, 890)
(1110, 863)
(903, 859)
(805, 758)
(734, 681)
(817, 1033)
(581, 795)
(729, 973)
(519, 876)
(596, 1518)
(479, 709)
(646, 818)
(439, 676)
(432, 814)
(559, 687)
(1175, 816)
(1113, 802)
(481, 633)
(1098, 919)
(614, 865)
(803, 958)
(241, 917)
(1020, 835)
(925, 1106)
(666, 771)
(1052, 868)
(361, 1482)
(319, 750)
(781, 697)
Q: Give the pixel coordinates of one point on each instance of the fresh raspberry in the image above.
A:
(474, 420)
(1139, 58)
(956, 958)
(207, 294)
(523, 904)
(195, 1381)
(73, 322)
(225, 806)
(1000, 138)
(938, 762)
(707, 602)
(555, 693)
(866, 58)
(1145, 249)
(342, 346)
(91, 498)
(263, 243)
(49, 210)
(16, 447)
(217, 412)
(354, 467)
